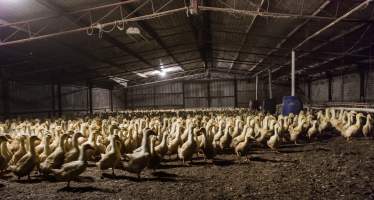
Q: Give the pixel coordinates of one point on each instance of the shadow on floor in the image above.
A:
(260, 159)
(84, 189)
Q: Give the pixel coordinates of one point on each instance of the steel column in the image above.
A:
(90, 107)
(257, 87)
(111, 99)
(59, 103)
(293, 73)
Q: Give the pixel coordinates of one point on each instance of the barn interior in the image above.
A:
(150, 66)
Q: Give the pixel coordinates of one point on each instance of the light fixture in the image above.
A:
(162, 73)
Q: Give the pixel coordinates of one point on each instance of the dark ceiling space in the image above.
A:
(48, 41)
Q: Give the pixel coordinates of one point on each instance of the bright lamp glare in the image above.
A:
(162, 73)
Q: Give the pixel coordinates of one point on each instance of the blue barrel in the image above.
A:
(291, 104)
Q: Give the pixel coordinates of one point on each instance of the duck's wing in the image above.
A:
(69, 169)
(24, 159)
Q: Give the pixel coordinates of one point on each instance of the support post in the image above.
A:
(90, 108)
(293, 73)
(270, 86)
(309, 90)
(59, 103)
(236, 92)
(53, 96)
(329, 78)
(208, 95)
(111, 99)
(125, 98)
(256, 87)
(183, 89)
(5, 88)
(362, 85)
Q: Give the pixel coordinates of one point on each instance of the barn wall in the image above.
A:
(197, 94)
(36, 100)
(344, 88)
(100, 100)
(118, 99)
(369, 86)
(319, 90)
(1, 98)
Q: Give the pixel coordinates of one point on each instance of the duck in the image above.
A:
(313, 130)
(353, 129)
(241, 137)
(207, 144)
(226, 139)
(139, 160)
(73, 169)
(186, 151)
(155, 158)
(7, 155)
(92, 141)
(28, 162)
(274, 141)
(73, 154)
(21, 150)
(265, 132)
(46, 151)
(162, 148)
(174, 143)
(296, 131)
(112, 157)
(3, 162)
(219, 134)
(367, 129)
(242, 148)
(56, 159)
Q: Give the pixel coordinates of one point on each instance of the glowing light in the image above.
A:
(162, 73)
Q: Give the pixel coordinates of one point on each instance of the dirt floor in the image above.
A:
(329, 169)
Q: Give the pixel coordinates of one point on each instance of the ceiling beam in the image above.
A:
(289, 35)
(151, 32)
(319, 46)
(108, 38)
(194, 22)
(245, 38)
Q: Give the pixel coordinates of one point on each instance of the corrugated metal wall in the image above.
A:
(169, 95)
(319, 91)
(351, 87)
(222, 93)
(245, 91)
(1, 98)
(27, 99)
(344, 88)
(74, 98)
(196, 94)
(119, 99)
(337, 88)
(369, 86)
(100, 99)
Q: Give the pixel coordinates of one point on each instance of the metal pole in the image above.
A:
(293, 73)
(270, 89)
(59, 103)
(90, 106)
(256, 87)
(111, 100)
